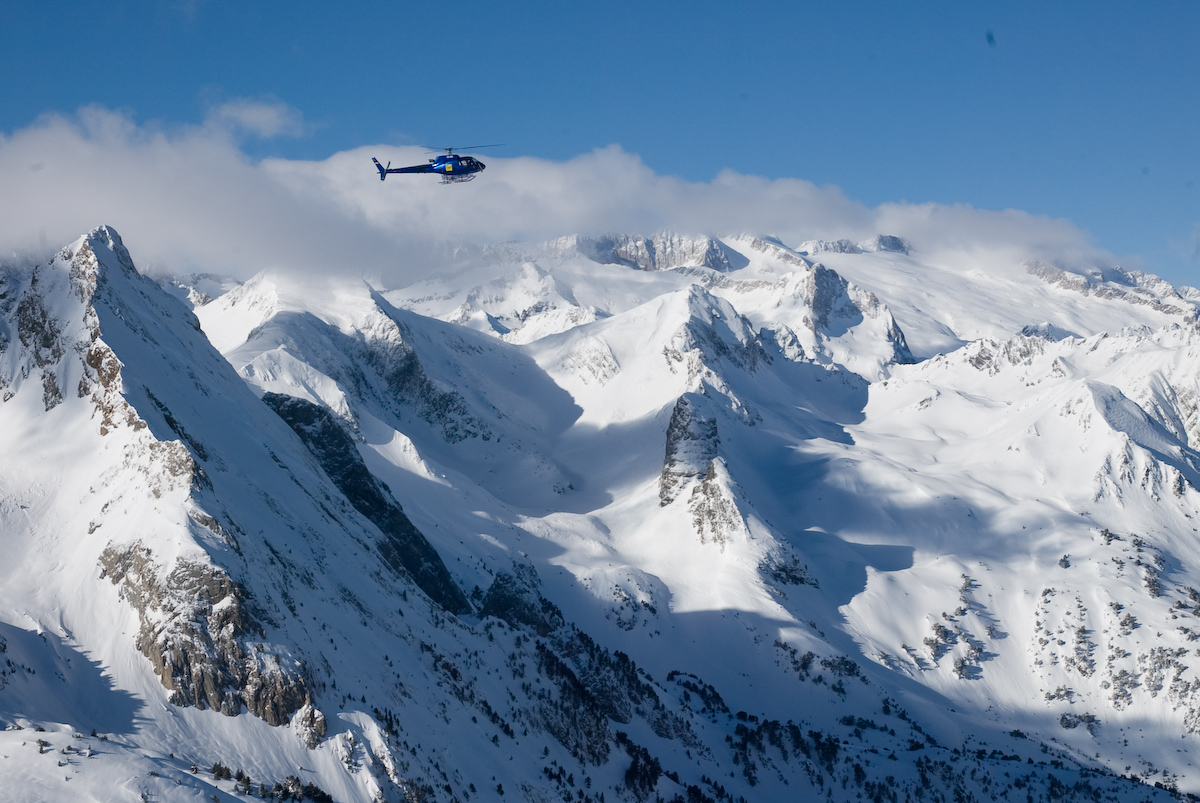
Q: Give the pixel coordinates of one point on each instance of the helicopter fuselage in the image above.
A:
(451, 167)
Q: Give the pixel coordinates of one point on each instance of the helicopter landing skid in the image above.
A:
(458, 179)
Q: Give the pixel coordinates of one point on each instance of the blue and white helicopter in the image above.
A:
(452, 167)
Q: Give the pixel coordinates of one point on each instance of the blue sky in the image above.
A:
(1088, 111)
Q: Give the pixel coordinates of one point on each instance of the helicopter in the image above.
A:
(453, 168)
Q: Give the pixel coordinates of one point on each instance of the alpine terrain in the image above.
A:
(621, 518)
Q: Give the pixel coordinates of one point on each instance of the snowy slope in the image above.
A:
(623, 518)
(1078, 457)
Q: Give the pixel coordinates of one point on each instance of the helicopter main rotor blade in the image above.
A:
(466, 148)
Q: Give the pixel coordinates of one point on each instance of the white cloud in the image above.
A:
(263, 118)
(189, 199)
(962, 232)
(183, 200)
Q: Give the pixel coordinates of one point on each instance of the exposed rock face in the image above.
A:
(783, 339)
(195, 625)
(51, 395)
(692, 443)
(715, 513)
(1116, 283)
(39, 333)
(386, 350)
(830, 298)
(886, 242)
(836, 300)
(403, 548)
(815, 300)
(309, 724)
(994, 356)
(41, 337)
(882, 242)
(714, 331)
(902, 354)
(660, 252)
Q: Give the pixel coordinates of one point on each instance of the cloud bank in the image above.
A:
(189, 199)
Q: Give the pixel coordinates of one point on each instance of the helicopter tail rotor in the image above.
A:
(382, 170)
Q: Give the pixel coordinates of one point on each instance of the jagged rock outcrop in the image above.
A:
(42, 338)
(881, 242)
(309, 724)
(995, 356)
(196, 625)
(1134, 287)
(38, 332)
(835, 298)
(692, 443)
(782, 338)
(827, 312)
(403, 548)
(830, 298)
(715, 513)
(662, 251)
(714, 331)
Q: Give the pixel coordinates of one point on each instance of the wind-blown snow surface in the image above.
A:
(621, 518)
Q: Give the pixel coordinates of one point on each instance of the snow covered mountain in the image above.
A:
(621, 518)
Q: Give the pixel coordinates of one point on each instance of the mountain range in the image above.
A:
(619, 518)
